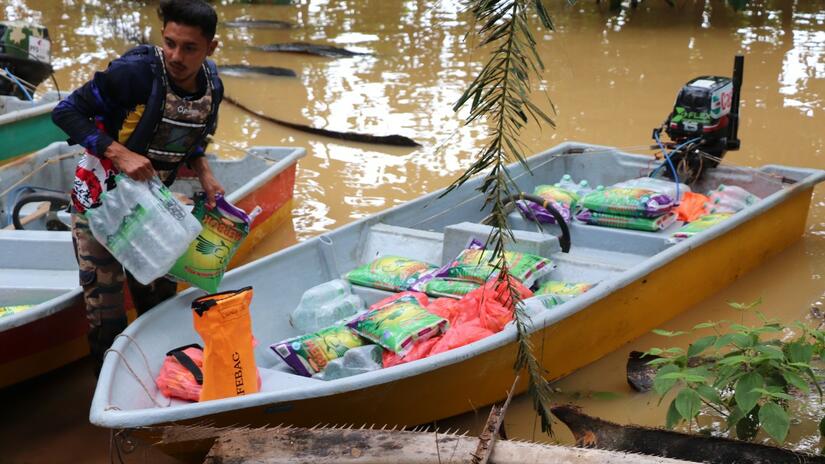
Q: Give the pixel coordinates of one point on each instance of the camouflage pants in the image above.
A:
(102, 277)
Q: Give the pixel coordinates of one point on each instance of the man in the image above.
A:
(147, 114)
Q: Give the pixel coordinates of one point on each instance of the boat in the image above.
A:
(25, 118)
(634, 273)
(38, 265)
(26, 126)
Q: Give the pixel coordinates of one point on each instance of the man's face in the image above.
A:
(184, 49)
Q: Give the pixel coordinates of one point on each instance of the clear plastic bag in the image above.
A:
(143, 226)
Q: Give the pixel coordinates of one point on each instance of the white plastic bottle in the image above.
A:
(327, 291)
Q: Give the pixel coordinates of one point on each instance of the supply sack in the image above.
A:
(224, 323)
(700, 225)
(181, 375)
(393, 273)
(627, 201)
(143, 226)
(663, 186)
(473, 264)
(398, 325)
(443, 287)
(355, 361)
(563, 200)
(223, 228)
(647, 224)
(311, 353)
(556, 292)
(729, 199)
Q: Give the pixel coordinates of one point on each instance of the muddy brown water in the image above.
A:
(611, 78)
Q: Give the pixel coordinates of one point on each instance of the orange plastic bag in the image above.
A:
(224, 323)
(691, 207)
(181, 374)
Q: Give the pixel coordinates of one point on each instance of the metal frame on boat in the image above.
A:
(635, 273)
(40, 267)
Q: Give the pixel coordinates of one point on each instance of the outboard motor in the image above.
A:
(703, 125)
(25, 52)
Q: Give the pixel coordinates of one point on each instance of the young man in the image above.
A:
(147, 114)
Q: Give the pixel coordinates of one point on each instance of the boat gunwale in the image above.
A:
(102, 415)
(44, 104)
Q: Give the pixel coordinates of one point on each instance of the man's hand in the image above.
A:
(130, 163)
(208, 181)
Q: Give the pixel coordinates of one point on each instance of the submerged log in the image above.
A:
(371, 446)
(310, 49)
(242, 70)
(594, 432)
(395, 140)
(260, 24)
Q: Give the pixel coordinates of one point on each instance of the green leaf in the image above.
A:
(723, 341)
(668, 333)
(799, 352)
(797, 381)
(709, 394)
(822, 427)
(662, 386)
(688, 403)
(673, 417)
(745, 397)
(701, 345)
(775, 421)
(705, 325)
(729, 361)
(735, 416)
(770, 352)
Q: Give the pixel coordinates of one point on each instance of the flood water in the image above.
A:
(612, 78)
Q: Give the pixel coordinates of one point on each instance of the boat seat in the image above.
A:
(457, 236)
(387, 240)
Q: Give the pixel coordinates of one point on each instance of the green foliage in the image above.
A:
(501, 94)
(746, 374)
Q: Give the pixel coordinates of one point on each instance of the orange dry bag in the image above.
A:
(223, 321)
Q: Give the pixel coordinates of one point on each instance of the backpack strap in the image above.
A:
(187, 362)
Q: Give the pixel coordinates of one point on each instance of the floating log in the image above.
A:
(371, 446)
(395, 140)
(260, 24)
(242, 70)
(310, 49)
(594, 432)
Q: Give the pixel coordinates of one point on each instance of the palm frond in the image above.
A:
(500, 94)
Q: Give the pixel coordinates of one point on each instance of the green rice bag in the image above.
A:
(703, 223)
(205, 261)
(13, 309)
(310, 354)
(626, 222)
(391, 273)
(627, 201)
(559, 195)
(451, 288)
(399, 324)
(474, 265)
(556, 292)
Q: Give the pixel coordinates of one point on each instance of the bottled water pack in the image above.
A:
(324, 305)
(143, 226)
(355, 361)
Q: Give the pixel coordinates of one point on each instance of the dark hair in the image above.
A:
(196, 13)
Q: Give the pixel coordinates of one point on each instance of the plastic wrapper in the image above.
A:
(474, 265)
(653, 224)
(729, 199)
(310, 353)
(143, 226)
(175, 379)
(452, 288)
(692, 207)
(664, 186)
(391, 273)
(13, 309)
(397, 325)
(562, 199)
(223, 228)
(355, 361)
(557, 292)
(312, 318)
(627, 201)
(700, 225)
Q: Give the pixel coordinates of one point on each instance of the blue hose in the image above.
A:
(668, 161)
(19, 84)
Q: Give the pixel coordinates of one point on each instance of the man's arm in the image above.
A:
(208, 181)
(119, 88)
